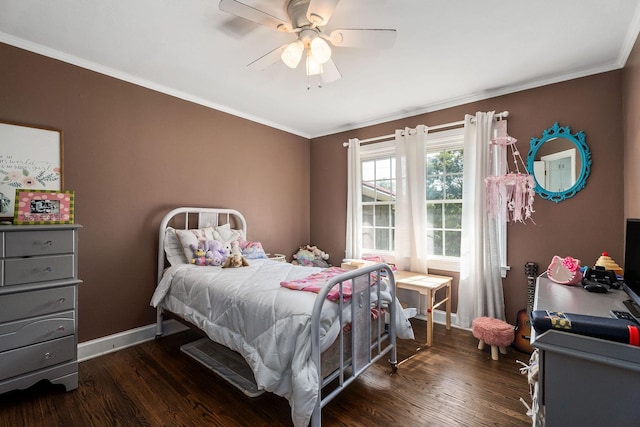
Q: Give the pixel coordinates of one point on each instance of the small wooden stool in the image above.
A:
(428, 285)
(497, 333)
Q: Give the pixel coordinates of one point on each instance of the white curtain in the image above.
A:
(354, 197)
(411, 211)
(480, 291)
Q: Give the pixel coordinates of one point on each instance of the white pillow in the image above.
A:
(173, 248)
(225, 234)
(192, 237)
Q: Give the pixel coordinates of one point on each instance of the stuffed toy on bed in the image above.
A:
(235, 259)
(216, 251)
(200, 256)
(208, 252)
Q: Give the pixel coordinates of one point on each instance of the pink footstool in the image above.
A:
(497, 333)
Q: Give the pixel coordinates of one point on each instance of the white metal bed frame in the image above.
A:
(369, 339)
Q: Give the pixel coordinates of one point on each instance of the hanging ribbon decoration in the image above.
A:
(513, 192)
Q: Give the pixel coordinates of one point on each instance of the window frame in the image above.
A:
(435, 141)
(438, 142)
(374, 152)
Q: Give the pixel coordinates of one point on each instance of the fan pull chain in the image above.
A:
(309, 82)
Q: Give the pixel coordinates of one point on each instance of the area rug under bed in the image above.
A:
(225, 362)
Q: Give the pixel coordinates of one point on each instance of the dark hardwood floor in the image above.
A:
(155, 384)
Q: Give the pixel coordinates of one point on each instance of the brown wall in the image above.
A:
(131, 155)
(582, 226)
(631, 123)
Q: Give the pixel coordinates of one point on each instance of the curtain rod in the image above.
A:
(498, 116)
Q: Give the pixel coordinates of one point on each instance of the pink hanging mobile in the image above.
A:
(512, 192)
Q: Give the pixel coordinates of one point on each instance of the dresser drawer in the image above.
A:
(37, 356)
(44, 328)
(23, 305)
(45, 242)
(38, 269)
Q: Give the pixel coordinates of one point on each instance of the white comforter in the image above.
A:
(247, 310)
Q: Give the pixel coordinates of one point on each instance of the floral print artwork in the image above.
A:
(26, 179)
(30, 159)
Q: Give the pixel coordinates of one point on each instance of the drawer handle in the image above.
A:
(47, 243)
(61, 300)
(47, 355)
(60, 328)
(47, 270)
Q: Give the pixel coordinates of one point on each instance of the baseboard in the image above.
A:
(440, 317)
(105, 345)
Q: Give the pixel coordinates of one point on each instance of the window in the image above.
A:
(444, 201)
(378, 203)
(443, 180)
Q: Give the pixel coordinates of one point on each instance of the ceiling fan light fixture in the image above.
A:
(313, 67)
(292, 54)
(320, 50)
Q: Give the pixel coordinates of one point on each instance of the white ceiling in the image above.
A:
(446, 53)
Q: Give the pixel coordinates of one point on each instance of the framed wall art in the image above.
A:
(43, 207)
(31, 158)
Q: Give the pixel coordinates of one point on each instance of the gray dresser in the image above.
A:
(38, 303)
(585, 381)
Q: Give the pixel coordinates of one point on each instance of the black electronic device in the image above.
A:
(596, 287)
(632, 265)
(599, 274)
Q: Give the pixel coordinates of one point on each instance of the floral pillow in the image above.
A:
(251, 250)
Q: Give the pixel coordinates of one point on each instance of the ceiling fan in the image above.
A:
(307, 19)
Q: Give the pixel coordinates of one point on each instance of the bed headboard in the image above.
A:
(185, 218)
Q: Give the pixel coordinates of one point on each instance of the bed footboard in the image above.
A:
(370, 338)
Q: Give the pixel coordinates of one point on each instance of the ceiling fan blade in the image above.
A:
(330, 72)
(374, 38)
(267, 59)
(252, 14)
(320, 11)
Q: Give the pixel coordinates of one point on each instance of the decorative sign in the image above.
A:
(30, 158)
(43, 207)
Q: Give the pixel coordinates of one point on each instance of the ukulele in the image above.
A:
(523, 325)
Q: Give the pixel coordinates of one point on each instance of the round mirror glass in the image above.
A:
(560, 163)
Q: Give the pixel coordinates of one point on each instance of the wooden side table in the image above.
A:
(428, 285)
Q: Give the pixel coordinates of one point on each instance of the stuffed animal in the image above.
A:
(235, 259)
(303, 257)
(310, 256)
(200, 256)
(216, 252)
(319, 257)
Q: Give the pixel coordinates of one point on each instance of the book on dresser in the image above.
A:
(38, 305)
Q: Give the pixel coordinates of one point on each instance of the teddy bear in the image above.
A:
(215, 251)
(200, 256)
(235, 259)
